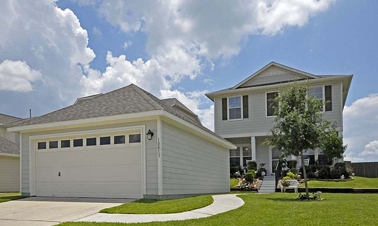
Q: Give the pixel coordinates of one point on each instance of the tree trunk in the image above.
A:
(304, 175)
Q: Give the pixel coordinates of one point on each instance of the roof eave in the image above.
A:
(212, 95)
(80, 122)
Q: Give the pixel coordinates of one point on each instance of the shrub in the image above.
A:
(335, 174)
(294, 170)
(290, 175)
(252, 166)
(234, 169)
(291, 164)
(324, 172)
(250, 175)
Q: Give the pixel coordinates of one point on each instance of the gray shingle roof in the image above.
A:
(6, 120)
(8, 147)
(126, 100)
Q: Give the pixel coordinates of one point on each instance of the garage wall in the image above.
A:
(151, 154)
(192, 165)
(9, 174)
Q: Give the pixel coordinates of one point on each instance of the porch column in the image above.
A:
(316, 154)
(253, 148)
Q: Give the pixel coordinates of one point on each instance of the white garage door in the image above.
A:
(94, 166)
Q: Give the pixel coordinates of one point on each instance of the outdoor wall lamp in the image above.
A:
(149, 134)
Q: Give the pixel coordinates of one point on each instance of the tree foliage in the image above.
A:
(300, 126)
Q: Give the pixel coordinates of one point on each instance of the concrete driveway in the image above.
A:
(46, 211)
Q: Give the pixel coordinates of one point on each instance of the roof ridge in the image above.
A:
(146, 95)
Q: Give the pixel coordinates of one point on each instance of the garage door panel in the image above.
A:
(100, 173)
(109, 172)
(89, 157)
(90, 189)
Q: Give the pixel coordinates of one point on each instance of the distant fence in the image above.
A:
(365, 169)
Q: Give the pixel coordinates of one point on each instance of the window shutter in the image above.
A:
(224, 108)
(328, 98)
(245, 106)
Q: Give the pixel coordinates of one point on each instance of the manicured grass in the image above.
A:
(358, 182)
(233, 182)
(151, 206)
(283, 209)
(5, 197)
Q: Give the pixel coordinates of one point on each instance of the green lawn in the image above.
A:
(150, 206)
(358, 182)
(233, 182)
(5, 197)
(283, 209)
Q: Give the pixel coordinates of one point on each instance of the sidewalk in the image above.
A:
(221, 204)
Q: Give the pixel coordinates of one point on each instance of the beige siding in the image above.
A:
(192, 165)
(9, 174)
(3, 132)
(273, 74)
(151, 157)
(258, 122)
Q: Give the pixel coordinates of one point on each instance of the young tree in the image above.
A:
(300, 126)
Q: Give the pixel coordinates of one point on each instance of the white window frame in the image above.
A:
(241, 108)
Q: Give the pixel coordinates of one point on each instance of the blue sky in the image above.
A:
(52, 52)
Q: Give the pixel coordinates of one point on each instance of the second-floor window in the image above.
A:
(271, 106)
(323, 95)
(235, 107)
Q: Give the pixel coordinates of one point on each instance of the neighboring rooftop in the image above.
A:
(8, 147)
(6, 120)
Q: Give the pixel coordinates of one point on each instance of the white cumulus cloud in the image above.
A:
(17, 76)
(360, 129)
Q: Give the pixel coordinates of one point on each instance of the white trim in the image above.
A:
(253, 147)
(79, 122)
(21, 163)
(9, 155)
(160, 156)
(238, 135)
(270, 160)
(32, 152)
(143, 164)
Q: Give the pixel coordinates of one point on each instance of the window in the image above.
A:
(234, 108)
(235, 157)
(104, 140)
(119, 139)
(134, 138)
(328, 98)
(65, 143)
(53, 144)
(317, 93)
(91, 141)
(247, 155)
(271, 106)
(41, 145)
(78, 142)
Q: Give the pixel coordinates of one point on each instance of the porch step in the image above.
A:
(268, 185)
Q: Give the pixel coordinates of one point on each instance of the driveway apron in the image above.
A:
(46, 211)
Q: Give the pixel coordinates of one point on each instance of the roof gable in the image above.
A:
(274, 73)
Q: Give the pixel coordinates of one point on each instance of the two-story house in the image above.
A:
(244, 113)
(9, 155)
